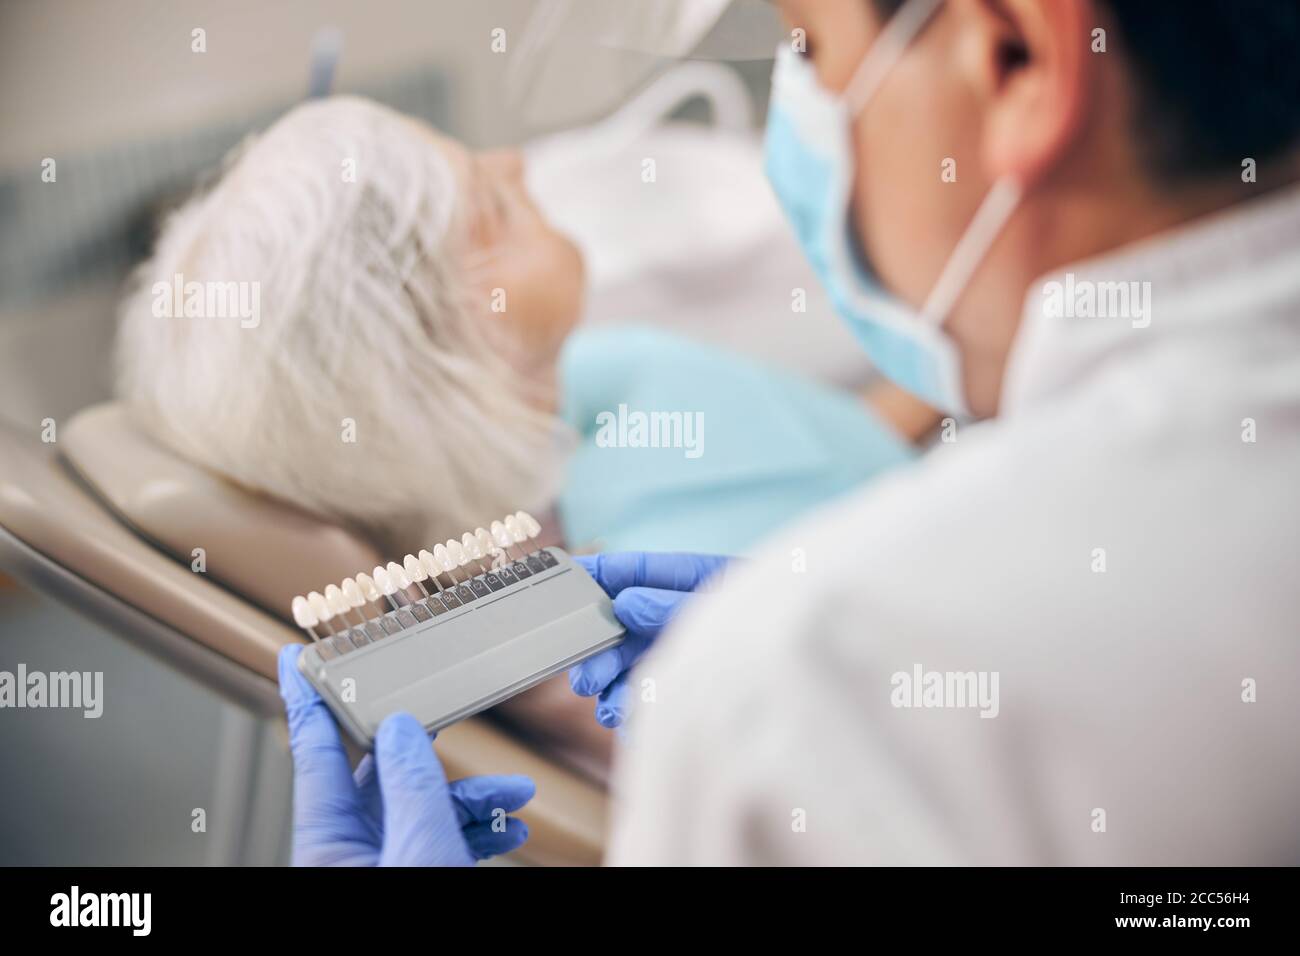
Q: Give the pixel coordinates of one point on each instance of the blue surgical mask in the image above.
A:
(809, 160)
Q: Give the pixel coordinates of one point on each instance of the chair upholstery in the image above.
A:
(263, 550)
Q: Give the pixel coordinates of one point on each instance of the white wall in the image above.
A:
(84, 73)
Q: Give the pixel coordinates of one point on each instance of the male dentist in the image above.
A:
(1069, 634)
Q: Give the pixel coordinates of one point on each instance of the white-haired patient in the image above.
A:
(395, 355)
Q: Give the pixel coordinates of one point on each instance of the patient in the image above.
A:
(400, 375)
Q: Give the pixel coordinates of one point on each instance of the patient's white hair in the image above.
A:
(367, 315)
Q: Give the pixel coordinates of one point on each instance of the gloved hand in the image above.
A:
(648, 589)
(397, 809)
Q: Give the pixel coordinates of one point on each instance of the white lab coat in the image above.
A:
(1124, 732)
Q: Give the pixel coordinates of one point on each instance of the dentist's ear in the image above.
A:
(1032, 60)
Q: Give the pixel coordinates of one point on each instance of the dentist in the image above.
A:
(1068, 634)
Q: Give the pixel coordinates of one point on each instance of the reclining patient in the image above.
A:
(399, 365)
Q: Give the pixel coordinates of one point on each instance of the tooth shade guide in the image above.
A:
(338, 603)
(369, 596)
(334, 598)
(415, 571)
(488, 549)
(445, 561)
(475, 656)
(499, 536)
(469, 543)
(530, 524)
(302, 612)
(368, 589)
(430, 565)
(303, 616)
(385, 585)
(501, 539)
(320, 607)
(397, 574)
(516, 532)
(356, 600)
(518, 529)
(352, 592)
(458, 556)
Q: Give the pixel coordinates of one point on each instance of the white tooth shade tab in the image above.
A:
(471, 545)
(397, 575)
(335, 600)
(482, 544)
(352, 593)
(367, 585)
(414, 569)
(302, 613)
(319, 606)
(516, 531)
(383, 581)
(529, 523)
(430, 564)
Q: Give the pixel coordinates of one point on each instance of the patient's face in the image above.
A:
(514, 249)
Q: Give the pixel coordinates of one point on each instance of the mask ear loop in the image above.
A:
(998, 205)
(990, 219)
(887, 50)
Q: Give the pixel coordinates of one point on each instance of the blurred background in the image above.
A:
(133, 117)
(113, 92)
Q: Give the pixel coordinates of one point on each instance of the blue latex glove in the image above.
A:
(648, 589)
(398, 808)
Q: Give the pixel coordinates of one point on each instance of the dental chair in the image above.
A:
(106, 521)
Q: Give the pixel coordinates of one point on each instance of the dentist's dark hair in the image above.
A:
(1219, 80)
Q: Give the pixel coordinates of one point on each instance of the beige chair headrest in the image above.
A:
(264, 550)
